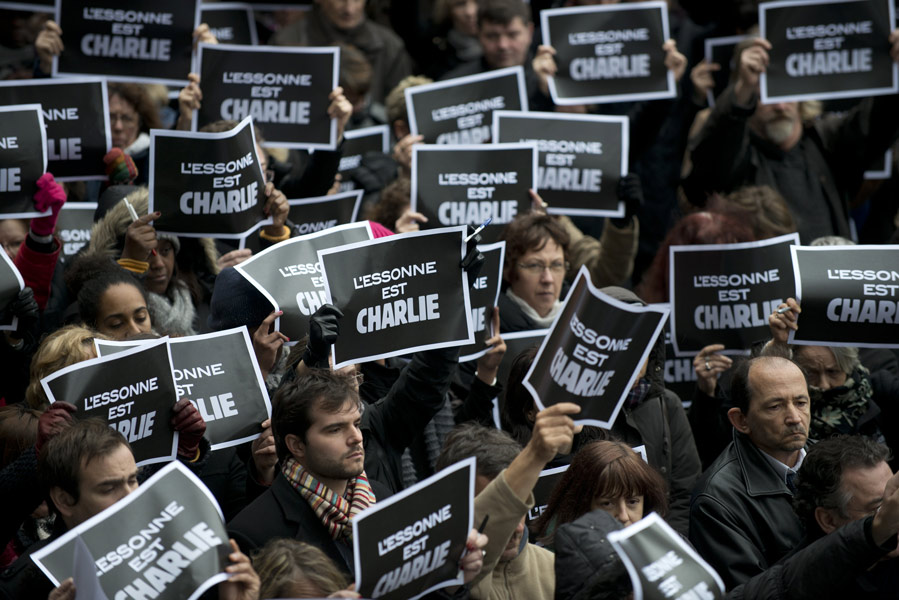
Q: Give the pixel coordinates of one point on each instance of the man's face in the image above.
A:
(777, 122)
(101, 483)
(333, 449)
(343, 14)
(538, 276)
(505, 45)
(512, 549)
(865, 487)
(821, 368)
(778, 417)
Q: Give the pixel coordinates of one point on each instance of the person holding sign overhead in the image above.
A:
(817, 167)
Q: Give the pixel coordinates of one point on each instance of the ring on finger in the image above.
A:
(708, 367)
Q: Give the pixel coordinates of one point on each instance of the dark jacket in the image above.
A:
(660, 423)
(837, 150)
(741, 514)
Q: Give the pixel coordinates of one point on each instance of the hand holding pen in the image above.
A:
(140, 237)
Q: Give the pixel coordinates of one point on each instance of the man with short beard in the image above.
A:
(741, 514)
(816, 167)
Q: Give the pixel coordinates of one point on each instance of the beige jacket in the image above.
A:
(610, 259)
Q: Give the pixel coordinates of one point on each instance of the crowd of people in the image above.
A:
(780, 473)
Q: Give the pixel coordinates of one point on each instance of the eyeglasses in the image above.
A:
(125, 119)
(536, 268)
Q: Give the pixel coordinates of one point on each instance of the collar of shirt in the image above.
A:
(783, 469)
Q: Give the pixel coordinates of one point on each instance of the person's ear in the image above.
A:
(826, 519)
(738, 420)
(295, 446)
(63, 501)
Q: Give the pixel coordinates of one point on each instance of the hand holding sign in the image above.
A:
(488, 365)
(785, 318)
(277, 208)
(324, 328)
(243, 582)
(48, 44)
(189, 99)
(554, 431)
(753, 62)
(340, 109)
(190, 425)
(267, 343)
(708, 364)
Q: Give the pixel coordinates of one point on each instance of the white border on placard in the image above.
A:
(100, 517)
(653, 518)
(411, 92)
(148, 344)
(501, 246)
(662, 6)
(789, 237)
(468, 463)
(70, 81)
(625, 123)
(809, 341)
(14, 324)
(461, 229)
(248, 8)
(416, 148)
(333, 198)
(859, 93)
(40, 8)
(334, 51)
(132, 78)
(384, 130)
(40, 119)
(303, 7)
(887, 171)
(291, 241)
(719, 41)
(631, 308)
(170, 133)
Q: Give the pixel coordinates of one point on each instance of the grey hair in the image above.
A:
(846, 357)
(832, 240)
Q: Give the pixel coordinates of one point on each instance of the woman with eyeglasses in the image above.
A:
(132, 114)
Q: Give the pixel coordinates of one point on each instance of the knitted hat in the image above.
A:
(236, 302)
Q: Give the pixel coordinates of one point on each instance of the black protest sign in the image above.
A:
(284, 90)
(678, 372)
(11, 283)
(723, 293)
(460, 111)
(74, 227)
(309, 215)
(516, 343)
(720, 51)
(849, 296)
(133, 391)
(827, 49)
(466, 185)
(411, 543)
(144, 40)
(230, 22)
(608, 53)
(580, 158)
(207, 184)
(219, 374)
(484, 295)
(23, 159)
(547, 482)
(289, 274)
(356, 144)
(167, 540)
(76, 113)
(662, 565)
(399, 294)
(594, 353)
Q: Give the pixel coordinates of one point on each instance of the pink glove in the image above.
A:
(49, 195)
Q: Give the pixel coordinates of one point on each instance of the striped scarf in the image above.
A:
(334, 510)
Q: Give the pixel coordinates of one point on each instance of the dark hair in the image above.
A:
(62, 459)
(759, 205)
(294, 402)
(18, 431)
(821, 475)
(394, 201)
(518, 401)
(493, 449)
(282, 562)
(529, 233)
(92, 291)
(355, 72)
(605, 468)
(503, 12)
(136, 95)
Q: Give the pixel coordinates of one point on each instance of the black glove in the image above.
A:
(25, 307)
(474, 260)
(630, 191)
(324, 328)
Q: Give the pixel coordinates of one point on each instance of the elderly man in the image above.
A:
(741, 515)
